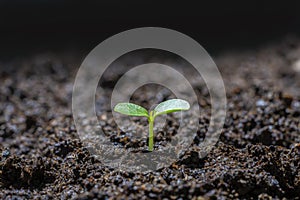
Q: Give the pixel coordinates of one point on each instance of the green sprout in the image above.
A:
(169, 106)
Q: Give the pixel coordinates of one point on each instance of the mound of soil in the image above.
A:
(257, 155)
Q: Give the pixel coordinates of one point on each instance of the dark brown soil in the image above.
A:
(257, 156)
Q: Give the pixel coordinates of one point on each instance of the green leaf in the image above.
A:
(131, 109)
(170, 106)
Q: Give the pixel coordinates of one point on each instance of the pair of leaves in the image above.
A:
(165, 107)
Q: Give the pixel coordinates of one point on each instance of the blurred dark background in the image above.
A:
(27, 27)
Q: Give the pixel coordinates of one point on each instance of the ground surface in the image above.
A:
(257, 156)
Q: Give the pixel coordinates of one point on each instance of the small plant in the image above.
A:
(169, 106)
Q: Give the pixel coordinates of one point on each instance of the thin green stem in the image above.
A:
(151, 122)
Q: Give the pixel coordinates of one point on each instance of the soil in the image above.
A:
(256, 157)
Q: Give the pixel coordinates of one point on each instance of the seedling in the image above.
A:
(169, 106)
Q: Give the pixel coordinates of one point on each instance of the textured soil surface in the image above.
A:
(257, 156)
